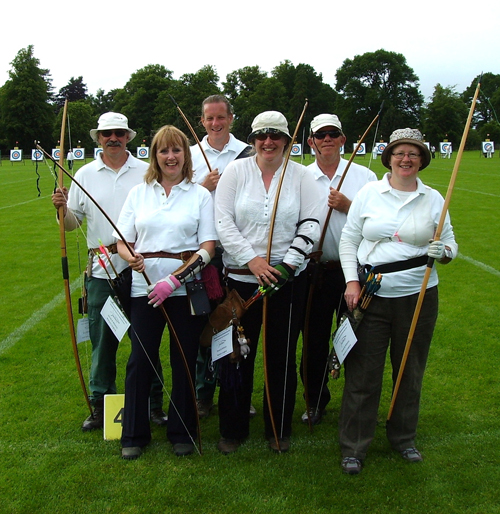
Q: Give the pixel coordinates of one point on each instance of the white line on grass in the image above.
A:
(35, 318)
(481, 265)
(463, 189)
(23, 203)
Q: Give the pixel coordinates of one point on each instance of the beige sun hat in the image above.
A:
(269, 121)
(406, 136)
(109, 121)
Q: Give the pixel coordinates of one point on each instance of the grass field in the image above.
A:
(48, 465)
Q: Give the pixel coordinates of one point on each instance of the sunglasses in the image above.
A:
(273, 134)
(334, 134)
(109, 133)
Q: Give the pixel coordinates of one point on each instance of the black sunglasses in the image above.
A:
(109, 133)
(334, 134)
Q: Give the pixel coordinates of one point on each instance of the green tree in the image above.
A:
(140, 96)
(367, 80)
(243, 89)
(73, 91)
(485, 110)
(102, 102)
(26, 114)
(301, 82)
(80, 120)
(445, 116)
(189, 92)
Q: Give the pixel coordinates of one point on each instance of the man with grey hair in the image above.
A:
(108, 179)
(327, 140)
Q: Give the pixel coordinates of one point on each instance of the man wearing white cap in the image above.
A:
(327, 139)
(108, 179)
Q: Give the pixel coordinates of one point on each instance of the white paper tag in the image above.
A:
(82, 330)
(344, 340)
(222, 343)
(115, 318)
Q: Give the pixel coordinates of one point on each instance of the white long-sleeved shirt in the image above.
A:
(243, 211)
(175, 223)
(357, 176)
(385, 225)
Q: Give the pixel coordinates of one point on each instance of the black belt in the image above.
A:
(392, 267)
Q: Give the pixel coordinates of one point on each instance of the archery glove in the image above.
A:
(436, 250)
(287, 273)
(162, 290)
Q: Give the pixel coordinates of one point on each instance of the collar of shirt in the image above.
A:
(101, 165)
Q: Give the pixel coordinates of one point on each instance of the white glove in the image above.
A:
(436, 250)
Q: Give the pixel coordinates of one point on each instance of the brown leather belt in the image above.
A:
(110, 248)
(183, 256)
(244, 271)
(331, 265)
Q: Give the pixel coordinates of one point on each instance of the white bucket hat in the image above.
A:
(269, 121)
(109, 121)
(325, 120)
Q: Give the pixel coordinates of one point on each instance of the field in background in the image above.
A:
(48, 465)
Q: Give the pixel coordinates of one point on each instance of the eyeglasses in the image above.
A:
(334, 134)
(411, 155)
(109, 133)
(274, 136)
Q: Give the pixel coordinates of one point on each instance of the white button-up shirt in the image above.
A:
(243, 211)
(175, 223)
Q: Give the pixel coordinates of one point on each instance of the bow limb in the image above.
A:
(268, 258)
(148, 281)
(191, 129)
(430, 262)
(64, 262)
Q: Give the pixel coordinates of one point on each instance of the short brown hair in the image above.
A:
(168, 136)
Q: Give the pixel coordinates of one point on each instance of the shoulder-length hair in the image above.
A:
(169, 136)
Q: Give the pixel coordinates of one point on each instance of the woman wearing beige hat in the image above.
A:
(244, 202)
(389, 228)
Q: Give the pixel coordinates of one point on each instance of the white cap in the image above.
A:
(269, 121)
(325, 120)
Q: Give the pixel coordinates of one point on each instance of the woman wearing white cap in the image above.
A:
(244, 202)
(389, 227)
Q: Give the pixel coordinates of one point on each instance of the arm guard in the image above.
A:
(189, 268)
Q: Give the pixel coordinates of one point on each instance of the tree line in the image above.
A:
(31, 110)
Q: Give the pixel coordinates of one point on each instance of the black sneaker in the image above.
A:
(95, 420)
(411, 455)
(316, 416)
(204, 407)
(158, 417)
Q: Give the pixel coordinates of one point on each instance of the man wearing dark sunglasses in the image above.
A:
(327, 139)
(108, 179)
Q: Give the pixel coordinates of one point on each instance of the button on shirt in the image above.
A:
(243, 211)
(357, 176)
(175, 223)
(109, 189)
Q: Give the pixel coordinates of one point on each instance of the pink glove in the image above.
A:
(162, 290)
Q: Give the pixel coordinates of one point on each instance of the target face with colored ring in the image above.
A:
(15, 155)
(78, 153)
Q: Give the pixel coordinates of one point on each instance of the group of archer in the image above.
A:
(258, 217)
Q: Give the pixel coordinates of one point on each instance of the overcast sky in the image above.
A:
(106, 42)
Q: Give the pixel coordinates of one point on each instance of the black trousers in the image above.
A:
(148, 325)
(327, 301)
(284, 320)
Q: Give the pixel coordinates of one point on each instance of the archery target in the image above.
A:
(142, 152)
(361, 150)
(296, 149)
(443, 147)
(36, 155)
(488, 146)
(16, 155)
(380, 148)
(56, 153)
(97, 151)
(79, 153)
